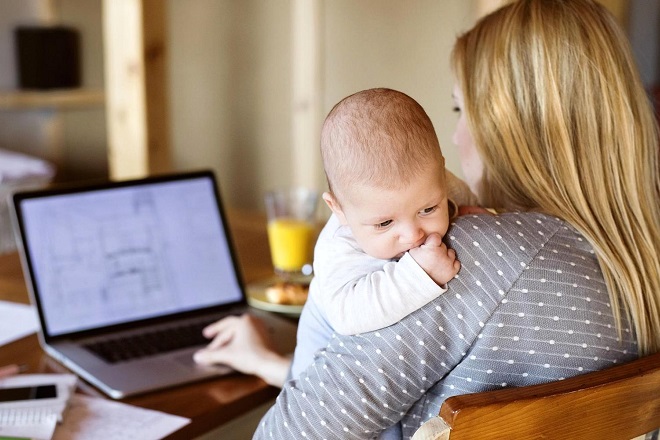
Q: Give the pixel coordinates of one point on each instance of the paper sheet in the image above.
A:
(16, 321)
(91, 418)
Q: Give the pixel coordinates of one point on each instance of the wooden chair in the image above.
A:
(618, 403)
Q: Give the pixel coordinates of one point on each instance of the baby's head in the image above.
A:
(385, 171)
(378, 136)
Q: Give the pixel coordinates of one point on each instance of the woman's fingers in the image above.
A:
(213, 329)
(221, 331)
(206, 356)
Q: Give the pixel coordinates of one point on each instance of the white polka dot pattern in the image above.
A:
(529, 305)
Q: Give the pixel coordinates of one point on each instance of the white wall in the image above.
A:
(231, 88)
(84, 130)
(231, 93)
(400, 45)
(231, 72)
(231, 78)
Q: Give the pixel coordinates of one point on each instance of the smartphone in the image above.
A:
(28, 393)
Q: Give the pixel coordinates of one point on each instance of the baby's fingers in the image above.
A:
(434, 240)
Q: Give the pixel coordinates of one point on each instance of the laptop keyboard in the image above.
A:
(150, 343)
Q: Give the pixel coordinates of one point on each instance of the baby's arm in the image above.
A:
(359, 293)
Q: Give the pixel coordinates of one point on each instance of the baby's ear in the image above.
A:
(334, 206)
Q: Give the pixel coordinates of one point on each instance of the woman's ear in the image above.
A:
(334, 206)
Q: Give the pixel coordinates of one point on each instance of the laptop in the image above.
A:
(124, 276)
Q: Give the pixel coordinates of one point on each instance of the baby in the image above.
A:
(380, 256)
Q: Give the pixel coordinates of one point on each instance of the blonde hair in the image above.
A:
(381, 137)
(563, 125)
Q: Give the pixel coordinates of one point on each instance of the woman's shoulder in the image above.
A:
(511, 224)
(512, 233)
(512, 219)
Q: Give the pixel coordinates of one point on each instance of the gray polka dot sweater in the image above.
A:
(529, 305)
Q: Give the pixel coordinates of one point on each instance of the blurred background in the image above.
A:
(240, 86)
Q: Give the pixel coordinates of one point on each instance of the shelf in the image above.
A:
(51, 99)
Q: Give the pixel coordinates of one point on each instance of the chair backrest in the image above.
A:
(618, 403)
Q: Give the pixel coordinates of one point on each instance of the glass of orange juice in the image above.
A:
(292, 230)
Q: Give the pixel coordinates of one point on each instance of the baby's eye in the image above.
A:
(456, 109)
(384, 224)
(429, 210)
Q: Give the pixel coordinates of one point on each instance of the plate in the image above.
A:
(256, 297)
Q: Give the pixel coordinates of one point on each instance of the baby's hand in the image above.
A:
(438, 261)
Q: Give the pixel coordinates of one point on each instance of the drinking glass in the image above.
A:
(292, 231)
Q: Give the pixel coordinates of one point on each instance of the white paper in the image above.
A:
(92, 418)
(16, 321)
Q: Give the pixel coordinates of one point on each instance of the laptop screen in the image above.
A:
(117, 254)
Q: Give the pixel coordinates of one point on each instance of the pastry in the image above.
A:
(287, 293)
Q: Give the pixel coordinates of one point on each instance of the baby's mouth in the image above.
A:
(401, 254)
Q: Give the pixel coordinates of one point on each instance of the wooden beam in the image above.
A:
(307, 93)
(136, 88)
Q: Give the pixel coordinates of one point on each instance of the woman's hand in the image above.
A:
(467, 210)
(242, 343)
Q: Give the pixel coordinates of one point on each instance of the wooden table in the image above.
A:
(208, 404)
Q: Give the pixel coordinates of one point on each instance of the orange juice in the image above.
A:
(291, 243)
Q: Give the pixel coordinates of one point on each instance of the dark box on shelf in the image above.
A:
(47, 57)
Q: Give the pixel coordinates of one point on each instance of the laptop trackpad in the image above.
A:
(188, 361)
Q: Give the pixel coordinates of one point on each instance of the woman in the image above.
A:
(562, 125)
(555, 124)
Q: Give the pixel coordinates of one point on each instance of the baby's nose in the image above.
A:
(412, 235)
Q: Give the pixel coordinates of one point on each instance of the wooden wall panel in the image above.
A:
(136, 87)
